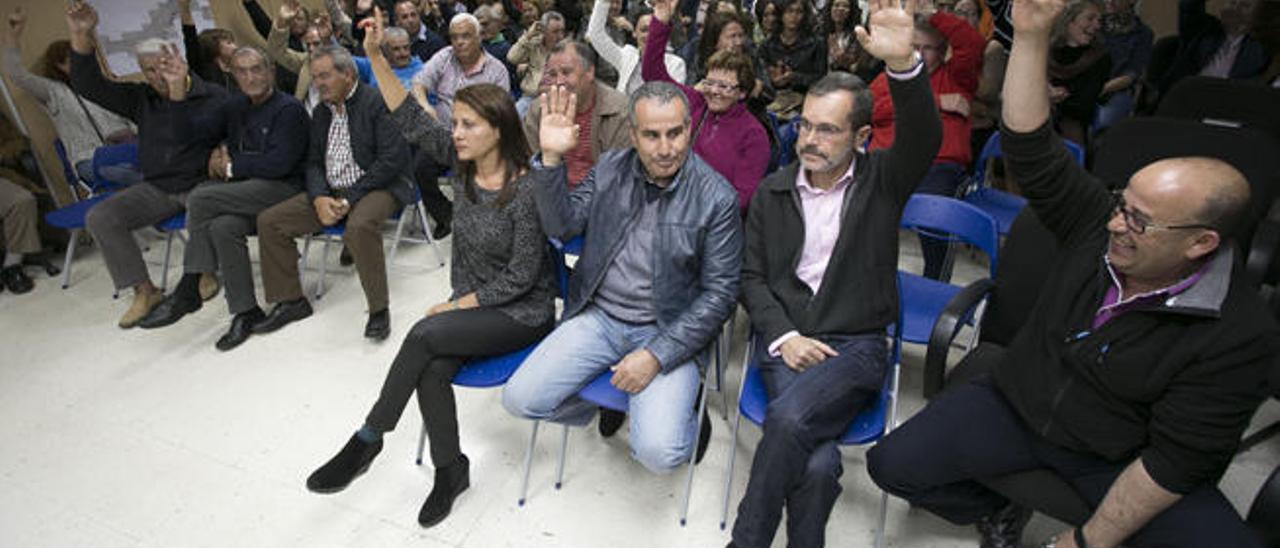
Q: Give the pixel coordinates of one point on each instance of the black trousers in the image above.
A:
(942, 180)
(430, 355)
(972, 431)
(426, 172)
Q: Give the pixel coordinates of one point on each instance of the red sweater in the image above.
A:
(959, 74)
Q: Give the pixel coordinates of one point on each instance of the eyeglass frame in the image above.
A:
(824, 132)
(1140, 226)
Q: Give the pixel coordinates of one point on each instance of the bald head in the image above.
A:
(1196, 190)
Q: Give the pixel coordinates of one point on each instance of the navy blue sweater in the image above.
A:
(267, 141)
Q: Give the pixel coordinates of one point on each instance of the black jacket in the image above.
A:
(1174, 383)
(379, 149)
(172, 155)
(1200, 35)
(267, 141)
(859, 289)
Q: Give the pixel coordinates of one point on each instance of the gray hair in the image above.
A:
(586, 55)
(662, 92)
(550, 16)
(150, 47)
(466, 18)
(251, 50)
(837, 81)
(339, 55)
(483, 9)
(396, 32)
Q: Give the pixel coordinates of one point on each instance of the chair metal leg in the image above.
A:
(395, 241)
(733, 449)
(426, 233)
(324, 268)
(528, 463)
(693, 457)
(302, 261)
(164, 267)
(422, 444)
(66, 261)
(564, 451)
(884, 514)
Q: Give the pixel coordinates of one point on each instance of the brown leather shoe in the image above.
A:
(209, 286)
(140, 308)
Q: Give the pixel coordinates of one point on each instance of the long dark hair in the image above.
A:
(711, 31)
(59, 51)
(494, 105)
(829, 24)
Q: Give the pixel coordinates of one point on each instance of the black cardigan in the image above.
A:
(859, 289)
(1174, 383)
(378, 147)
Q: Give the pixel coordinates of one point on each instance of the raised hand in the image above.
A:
(1036, 17)
(663, 9)
(81, 18)
(363, 6)
(888, 33)
(173, 68)
(288, 11)
(17, 22)
(373, 33)
(557, 134)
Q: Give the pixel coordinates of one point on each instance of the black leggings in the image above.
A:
(429, 357)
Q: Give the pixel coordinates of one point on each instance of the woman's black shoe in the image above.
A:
(451, 481)
(346, 466)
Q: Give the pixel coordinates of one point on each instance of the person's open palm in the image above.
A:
(557, 133)
(81, 17)
(663, 9)
(1036, 16)
(889, 29)
(373, 31)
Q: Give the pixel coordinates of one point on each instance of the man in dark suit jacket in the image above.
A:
(1222, 46)
(355, 172)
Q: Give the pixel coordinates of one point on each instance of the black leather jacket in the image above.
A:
(698, 252)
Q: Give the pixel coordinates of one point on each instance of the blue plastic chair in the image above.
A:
(71, 218)
(922, 299)
(867, 427)
(1001, 206)
(111, 155)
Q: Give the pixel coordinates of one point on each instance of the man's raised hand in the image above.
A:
(888, 32)
(557, 133)
(1036, 17)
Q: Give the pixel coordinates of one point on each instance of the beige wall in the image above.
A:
(46, 24)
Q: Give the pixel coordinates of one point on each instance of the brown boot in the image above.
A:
(209, 286)
(142, 304)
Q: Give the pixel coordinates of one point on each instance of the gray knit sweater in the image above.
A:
(500, 254)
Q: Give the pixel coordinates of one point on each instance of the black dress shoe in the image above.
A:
(610, 421)
(1003, 528)
(450, 482)
(704, 438)
(241, 328)
(15, 279)
(169, 311)
(442, 229)
(283, 314)
(345, 258)
(345, 467)
(379, 325)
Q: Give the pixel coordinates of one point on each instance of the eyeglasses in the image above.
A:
(717, 85)
(821, 131)
(1137, 222)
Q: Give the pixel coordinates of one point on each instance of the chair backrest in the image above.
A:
(1135, 143)
(125, 153)
(1221, 101)
(991, 150)
(952, 219)
(1025, 262)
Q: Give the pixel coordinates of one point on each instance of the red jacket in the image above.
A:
(959, 74)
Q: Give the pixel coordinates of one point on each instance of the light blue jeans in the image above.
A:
(576, 352)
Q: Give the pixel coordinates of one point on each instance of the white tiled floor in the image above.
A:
(153, 438)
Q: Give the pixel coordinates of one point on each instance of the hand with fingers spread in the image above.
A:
(289, 10)
(1036, 17)
(173, 68)
(363, 6)
(17, 23)
(635, 371)
(81, 18)
(888, 33)
(373, 33)
(557, 132)
(800, 352)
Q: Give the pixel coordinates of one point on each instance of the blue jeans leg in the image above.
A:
(797, 462)
(546, 385)
(663, 419)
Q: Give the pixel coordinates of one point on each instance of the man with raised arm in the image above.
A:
(1139, 367)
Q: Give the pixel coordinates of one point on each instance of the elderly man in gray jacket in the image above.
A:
(657, 277)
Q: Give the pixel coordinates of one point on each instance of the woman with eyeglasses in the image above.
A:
(725, 134)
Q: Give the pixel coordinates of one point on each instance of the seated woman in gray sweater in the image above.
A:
(501, 273)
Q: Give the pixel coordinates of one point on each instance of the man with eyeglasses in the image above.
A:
(819, 280)
(259, 164)
(1138, 369)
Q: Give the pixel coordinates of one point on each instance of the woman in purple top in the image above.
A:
(726, 135)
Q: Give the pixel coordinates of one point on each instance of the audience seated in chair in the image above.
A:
(1141, 364)
(657, 278)
(821, 342)
(1129, 40)
(18, 214)
(529, 55)
(626, 57)
(726, 135)
(1225, 46)
(601, 116)
(170, 110)
(356, 173)
(260, 163)
(1079, 67)
(503, 284)
(952, 53)
(794, 58)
